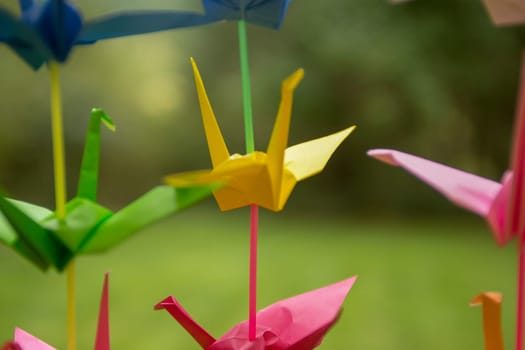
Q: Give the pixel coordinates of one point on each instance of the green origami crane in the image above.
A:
(37, 234)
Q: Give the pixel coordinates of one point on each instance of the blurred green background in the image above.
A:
(430, 77)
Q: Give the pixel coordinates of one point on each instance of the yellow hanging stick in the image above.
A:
(58, 141)
(60, 192)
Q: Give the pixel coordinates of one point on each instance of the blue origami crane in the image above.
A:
(48, 30)
(266, 13)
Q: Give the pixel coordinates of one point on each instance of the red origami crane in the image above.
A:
(26, 341)
(297, 323)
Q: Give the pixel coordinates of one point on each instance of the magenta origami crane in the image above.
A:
(500, 203)
(26, 341)
(297, 323)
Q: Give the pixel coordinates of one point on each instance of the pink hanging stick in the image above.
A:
(254, 223)
(519, 316)
(515, 216)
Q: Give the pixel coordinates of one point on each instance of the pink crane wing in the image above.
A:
(28, 342)
(296, 323)
(312, 315)
(466, 190)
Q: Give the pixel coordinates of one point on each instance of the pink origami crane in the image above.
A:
(297, 323)
(485, 197)
(500, 203)
(25, 341)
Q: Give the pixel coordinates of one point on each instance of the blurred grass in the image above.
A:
(415, 281)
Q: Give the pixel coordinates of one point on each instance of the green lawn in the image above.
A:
(415, 281)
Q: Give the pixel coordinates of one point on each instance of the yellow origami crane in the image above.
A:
(264, 179)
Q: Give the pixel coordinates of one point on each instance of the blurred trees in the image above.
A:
(430, 77)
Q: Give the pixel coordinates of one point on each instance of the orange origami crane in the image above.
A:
(264, 179)
(26, 341)
(491, 303)
(296, 323)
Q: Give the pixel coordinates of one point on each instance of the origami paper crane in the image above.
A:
(38, 235)
(47, 30)
(500, 203)
(491, 303)
(297, 323)
(265, 179)
(506, 12)
(10, 345)
(26, 341)
(485, 197)
(266, 13)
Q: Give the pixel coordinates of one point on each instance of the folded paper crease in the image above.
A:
(296, 323)
(37, 234)
(264, 179)
(500, 203)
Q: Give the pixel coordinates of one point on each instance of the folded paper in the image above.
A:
(102, 341)
(500, 203)
(264, 179)
(501, 12)
(48, 30)
(485, 197)
(88, 227)
(506, 12)
(297, 323)
(26, 341)
(266, 13)
(10, 345)
(491, 304)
